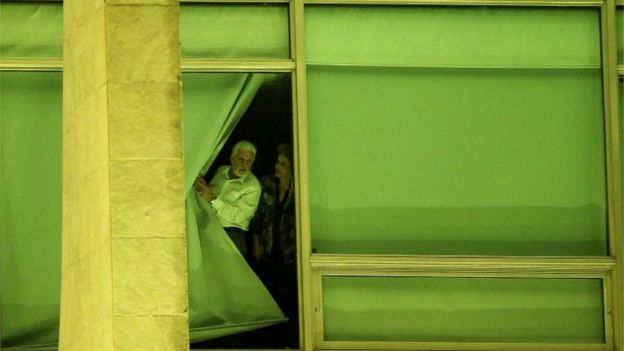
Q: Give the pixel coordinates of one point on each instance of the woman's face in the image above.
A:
(282, 168)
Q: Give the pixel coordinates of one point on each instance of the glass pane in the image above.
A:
(468, 161)
(31, 30)
(453, 36)
(462, 309)
(31, 206)
(234, 31)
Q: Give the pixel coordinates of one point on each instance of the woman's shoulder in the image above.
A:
(269, 180)
(269, 183)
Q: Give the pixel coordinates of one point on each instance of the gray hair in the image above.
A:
(244, 145)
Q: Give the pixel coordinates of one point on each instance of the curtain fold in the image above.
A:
(225, 295)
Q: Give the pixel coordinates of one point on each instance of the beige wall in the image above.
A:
(124, 281)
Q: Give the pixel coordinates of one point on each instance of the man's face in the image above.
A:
(242, 162)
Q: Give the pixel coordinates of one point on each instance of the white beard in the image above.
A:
(240, 173)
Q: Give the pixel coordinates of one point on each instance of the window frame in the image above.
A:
(453, 267)
(314, 266)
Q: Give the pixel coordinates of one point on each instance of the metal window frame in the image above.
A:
(314, 266)
(457, 267)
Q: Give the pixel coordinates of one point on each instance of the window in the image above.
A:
(438, 160)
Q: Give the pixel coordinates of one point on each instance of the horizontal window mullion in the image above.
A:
(31, 64)
(550, 3)
(379, 264)
(199, 65)
(231, 2)
(459, 67)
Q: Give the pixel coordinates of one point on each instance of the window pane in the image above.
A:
(471, 161)
(462, 309)
(234, 31)
(31, 30)
(453, 36)
(31, 206)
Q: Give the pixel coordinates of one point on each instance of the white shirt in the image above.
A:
(236, 199)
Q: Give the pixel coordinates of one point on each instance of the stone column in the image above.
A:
(124, 283)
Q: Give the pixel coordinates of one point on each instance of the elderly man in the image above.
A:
(234, 193)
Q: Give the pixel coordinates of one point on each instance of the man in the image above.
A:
(234, 193)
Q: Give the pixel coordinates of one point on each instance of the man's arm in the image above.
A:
(203, 189)
(240, 211)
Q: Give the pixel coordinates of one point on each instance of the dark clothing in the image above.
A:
(281, 281)
(274, 225)
(239, 237)
(274, 222)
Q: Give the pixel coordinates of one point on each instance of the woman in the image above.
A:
(274, 245)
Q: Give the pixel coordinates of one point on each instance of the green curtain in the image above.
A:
(480, 134)
(30, 187)
(225, 295)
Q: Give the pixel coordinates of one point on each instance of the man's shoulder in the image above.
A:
(222, 169)
(252, 181)
(220, 172)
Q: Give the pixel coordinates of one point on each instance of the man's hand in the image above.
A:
(203, 189)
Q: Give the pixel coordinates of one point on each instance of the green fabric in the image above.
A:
(462, 309)
(453, 36)
(234, 31)
(213, 105)
(225, 295)
(487, 161)
(30, 113)
(31, 30)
